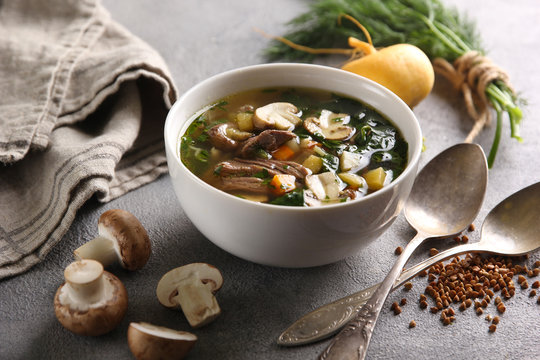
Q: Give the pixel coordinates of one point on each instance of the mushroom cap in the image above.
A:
(148, 342)
(94, 321)
(131, 238)
(220, 139)
(329, 125)
(167, 287)
(278, 115)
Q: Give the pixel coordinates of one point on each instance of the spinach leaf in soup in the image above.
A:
(294, 198)
(330, 163)
(194, 149)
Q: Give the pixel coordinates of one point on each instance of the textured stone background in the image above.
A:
(203, 38)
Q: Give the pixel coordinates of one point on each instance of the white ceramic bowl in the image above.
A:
(280, 235)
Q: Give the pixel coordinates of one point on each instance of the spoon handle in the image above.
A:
(443, 255)
(352, 342)
(330, 318)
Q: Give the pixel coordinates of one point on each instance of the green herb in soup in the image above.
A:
(293, 147)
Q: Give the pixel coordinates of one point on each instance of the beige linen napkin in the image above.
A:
(82, 107)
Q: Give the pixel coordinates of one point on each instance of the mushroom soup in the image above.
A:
(296, 147)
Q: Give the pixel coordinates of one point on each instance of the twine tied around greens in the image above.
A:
(470, 74)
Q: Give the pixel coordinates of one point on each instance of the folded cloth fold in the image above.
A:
(82, 108)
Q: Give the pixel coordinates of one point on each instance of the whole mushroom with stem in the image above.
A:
(122, 238)
(192, 287)
(148, 342)
(92, 301)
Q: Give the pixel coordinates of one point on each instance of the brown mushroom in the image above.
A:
(237, 134)
(226, 137)
(278, 115)
(192, 287)
(149, 342)
(121, 238)
(219, 138)
(330, 126)
(267, 140)
(92, 301)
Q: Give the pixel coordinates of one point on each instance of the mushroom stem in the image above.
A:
(84, 281)
(192, 288)
(197, 302)
(100, 248)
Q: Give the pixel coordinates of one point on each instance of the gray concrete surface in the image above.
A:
(202, 38)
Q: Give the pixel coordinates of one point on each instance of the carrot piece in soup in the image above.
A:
(282, 183)
(284, 152)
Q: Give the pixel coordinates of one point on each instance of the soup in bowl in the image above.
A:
(291, 165)
(293, 147)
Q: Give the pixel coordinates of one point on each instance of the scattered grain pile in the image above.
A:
(474, 281)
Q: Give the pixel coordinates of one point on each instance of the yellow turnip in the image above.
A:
(404, 69)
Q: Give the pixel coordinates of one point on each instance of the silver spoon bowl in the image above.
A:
(445, 199)
(512, 228)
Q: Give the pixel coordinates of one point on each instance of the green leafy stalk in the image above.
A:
(389, 22)
(441, 32)
(497, 138)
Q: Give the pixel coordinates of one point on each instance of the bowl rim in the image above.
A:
(172, 146)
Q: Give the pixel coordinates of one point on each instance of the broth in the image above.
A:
(293, 146)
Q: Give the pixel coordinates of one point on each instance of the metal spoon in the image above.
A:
(511, 228)
(446, 197)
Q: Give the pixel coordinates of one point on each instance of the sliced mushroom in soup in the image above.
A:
(295, 147)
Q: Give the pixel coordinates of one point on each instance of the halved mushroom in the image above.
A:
(330, 125)
(325, 186)
(192, 288)
(92, 301)
(121, 238)
(353, 161)
(149, 342)
(278, 115)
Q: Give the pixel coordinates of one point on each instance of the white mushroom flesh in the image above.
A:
(85, 286)
(150, 342)
(103, 248)
(192, 287)
(351, 161)
(310, 199)
(278, 115)
(197, 301)
(330, 125)
(163, 332)
(325, 186)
